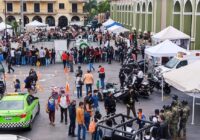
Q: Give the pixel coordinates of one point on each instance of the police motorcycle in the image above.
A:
(142, 89)
(155, 81)
(110, 87)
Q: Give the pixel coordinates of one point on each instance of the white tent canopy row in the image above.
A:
(108, 22)
(165, 49)
(171, 33)
(186, 79)
(4, 26)
(117, 29)
(36, 23)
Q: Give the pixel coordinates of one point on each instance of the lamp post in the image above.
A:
(5, 13)
(22, 16)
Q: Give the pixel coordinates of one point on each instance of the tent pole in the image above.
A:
(193, 109)
(162, 90)
(144, 61)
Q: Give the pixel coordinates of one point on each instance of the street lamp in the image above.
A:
(22, 16)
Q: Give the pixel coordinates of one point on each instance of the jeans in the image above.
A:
(102, 83)
(33, 60)
(63, 113)
(88, 88)
(23, 60)
(81, 126)
(52, 116)
(64, 63)
(47, 61)
(79, 91)
(90, 67)
(18, 60)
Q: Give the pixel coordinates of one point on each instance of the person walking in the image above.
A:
(64, 59)
(88, 81)
(90, 64)
(79, 84)
(122, 78)
(71, 62)
(102, 76)
(63, 102)
(81, 121)
(51, 108)
(72, 117)
(79, 71)
(9, 61)
(110, 104)
(95, 101)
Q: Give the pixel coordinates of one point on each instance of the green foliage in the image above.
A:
(104, 6)
(14, 25)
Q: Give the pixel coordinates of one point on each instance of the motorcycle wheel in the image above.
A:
(167, 90)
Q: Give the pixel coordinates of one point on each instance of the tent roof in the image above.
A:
(117, 29)
(108, 22)
(36, 23)
(113, 24)
(170, 33)
(166, 48)
(3, 26)
(185, 79)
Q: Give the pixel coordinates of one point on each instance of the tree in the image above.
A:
(14, 25)
(91, 7)
(104, 6)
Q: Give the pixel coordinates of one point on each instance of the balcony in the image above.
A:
(33, 13)
(78, 1)
(77, 12)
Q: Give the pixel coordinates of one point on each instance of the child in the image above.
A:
(17, 85)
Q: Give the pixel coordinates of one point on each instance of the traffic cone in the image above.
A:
(67, 88)
(66, 70)
(39, 75)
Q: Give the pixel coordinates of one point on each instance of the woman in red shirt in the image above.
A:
(64, 58)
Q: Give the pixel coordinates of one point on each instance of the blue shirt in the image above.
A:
(95, 100)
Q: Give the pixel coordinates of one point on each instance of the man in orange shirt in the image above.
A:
(64, 58)
(81, 121)
(88, 81)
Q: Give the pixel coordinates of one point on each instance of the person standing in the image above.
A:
(79, 72)
(42, 56)
(53, 56)
(9, 61)
(95, 101)
(71, 62)
(110, 104)
(72, 117)
(90, 65)
(185, 113)
(102, 76)
(81, 122)
(130, 102)
(79, 84)
(51, 107)
(64, 59)
(88, 81)
(122, 78)
(63, 102)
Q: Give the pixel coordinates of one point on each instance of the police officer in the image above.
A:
(110, 104)
(130, 102)
(175, 99)
(175, 120)
(184, 115)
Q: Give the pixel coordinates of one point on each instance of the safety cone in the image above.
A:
(67, 88)
(39, 75)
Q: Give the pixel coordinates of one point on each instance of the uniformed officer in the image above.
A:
(175, 120)
(184, 115)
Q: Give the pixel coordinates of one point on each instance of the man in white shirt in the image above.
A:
(42, 56)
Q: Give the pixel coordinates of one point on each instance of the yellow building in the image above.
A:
(52, 12)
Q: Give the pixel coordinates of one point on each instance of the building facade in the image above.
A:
(155, 15)
(52, 12)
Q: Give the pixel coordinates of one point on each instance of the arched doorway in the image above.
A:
(1, 20)
(10, 19)
(188, 17)
(62, 21)
(50, 21)
(38, 18)
(75, 18)
(197, 37)
(138, 17)
(177, 12)
(143, 16)
(26, 20)
(150, 17)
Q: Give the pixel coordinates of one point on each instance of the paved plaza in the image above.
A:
(54, 75)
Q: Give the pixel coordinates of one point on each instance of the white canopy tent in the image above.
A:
(36, 23)
(4, 26)
(117, 29)
(186, 79)
(108, 22)
(176, 36)
(165, 49)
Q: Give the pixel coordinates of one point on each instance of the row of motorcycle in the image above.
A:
(151, 81)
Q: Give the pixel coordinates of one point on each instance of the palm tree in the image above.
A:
(91, 8)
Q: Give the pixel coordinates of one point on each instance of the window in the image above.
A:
(61, 6)
(36, 7)
(9, 7)
(74, 8)
(182, 63)
(24, 7)
(12, 105)
(30, 99)
(50, 7)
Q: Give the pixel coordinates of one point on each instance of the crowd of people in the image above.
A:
(170, 121)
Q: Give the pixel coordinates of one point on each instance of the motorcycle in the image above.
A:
(156, 82)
